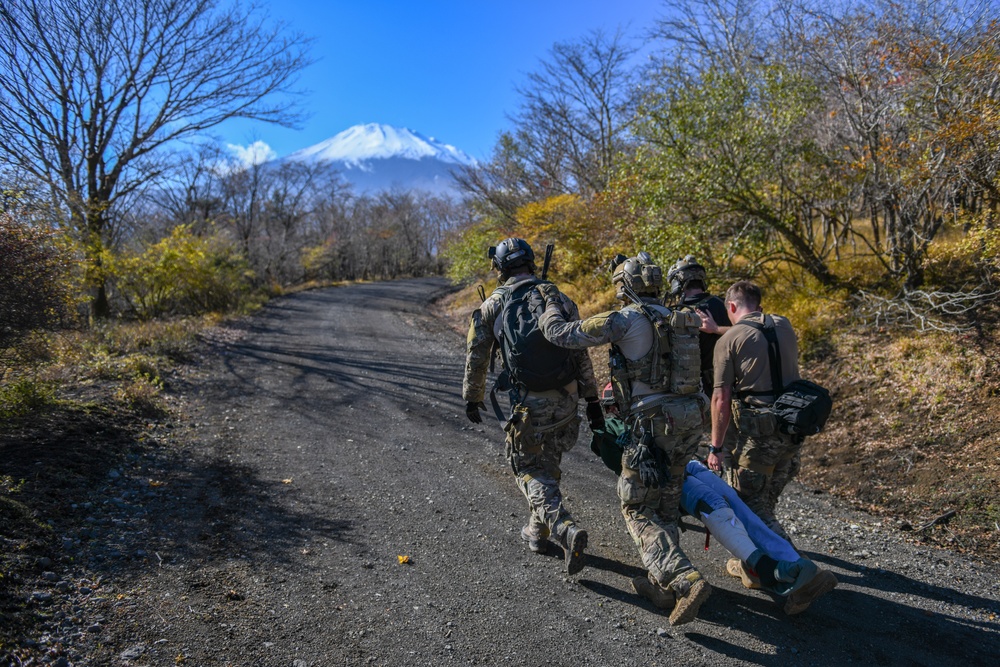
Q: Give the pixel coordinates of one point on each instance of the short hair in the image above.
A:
(744, 294)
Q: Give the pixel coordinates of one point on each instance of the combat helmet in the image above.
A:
(512, 253)
(683, 273)
(639, 274)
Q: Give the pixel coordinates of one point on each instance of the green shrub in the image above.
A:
(183, 274)
(465, 250)
(25, 396)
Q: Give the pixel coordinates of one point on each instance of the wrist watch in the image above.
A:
(715, 450)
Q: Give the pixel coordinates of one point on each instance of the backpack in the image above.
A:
(801, 407)
(532, 362)
(673, 363)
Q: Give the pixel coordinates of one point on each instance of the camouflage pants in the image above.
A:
(536, 459)
(651, 514)
(764, 464)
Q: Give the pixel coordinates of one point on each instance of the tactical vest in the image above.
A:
(673, 363)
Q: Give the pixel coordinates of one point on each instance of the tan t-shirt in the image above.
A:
(741, 360)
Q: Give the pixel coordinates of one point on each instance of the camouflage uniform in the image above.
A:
(765, 459)
(706, 342)
(651, 514)
(553, 415)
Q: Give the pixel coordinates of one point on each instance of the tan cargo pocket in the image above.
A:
(521, 433)
(684, 416)
(754, 422)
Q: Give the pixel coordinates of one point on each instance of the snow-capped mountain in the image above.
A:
(379, 157)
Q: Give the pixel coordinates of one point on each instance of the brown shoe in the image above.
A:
(737, 568)
(691, 591)
(798, 601)
(659, 596)
(574, 541)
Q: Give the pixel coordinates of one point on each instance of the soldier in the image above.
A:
(656, 380)
(765, 459)
(544, 388)
(688, 287)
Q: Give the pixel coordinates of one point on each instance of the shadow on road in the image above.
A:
(885, 581)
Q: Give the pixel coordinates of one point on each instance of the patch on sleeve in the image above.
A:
(595, 326)
(476, 330)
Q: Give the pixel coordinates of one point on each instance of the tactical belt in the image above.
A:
(499, 412)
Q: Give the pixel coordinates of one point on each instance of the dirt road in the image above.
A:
(329, 442)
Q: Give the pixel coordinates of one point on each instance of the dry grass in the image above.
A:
(915, 432)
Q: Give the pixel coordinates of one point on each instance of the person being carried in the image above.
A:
(544, 384)
(654, 364)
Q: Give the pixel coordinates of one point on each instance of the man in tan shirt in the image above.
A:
(764, 459)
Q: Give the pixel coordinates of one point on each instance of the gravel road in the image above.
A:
(328, 443)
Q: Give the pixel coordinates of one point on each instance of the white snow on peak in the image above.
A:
(374, 141)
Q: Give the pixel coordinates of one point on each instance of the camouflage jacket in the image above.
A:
(627, 328)
(483, 332)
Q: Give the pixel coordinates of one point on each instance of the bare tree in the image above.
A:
(91, 91)
(571, 127)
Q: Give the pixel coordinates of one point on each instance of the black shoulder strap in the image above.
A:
(773, 355)
(521, 288)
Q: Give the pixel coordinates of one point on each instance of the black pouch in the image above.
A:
(803, 408)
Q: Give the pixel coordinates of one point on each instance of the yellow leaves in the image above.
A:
(155, 483)
(403, 560)
(538, 218)
(287, 480)
(183, 272)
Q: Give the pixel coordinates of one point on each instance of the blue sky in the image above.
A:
(444, 68)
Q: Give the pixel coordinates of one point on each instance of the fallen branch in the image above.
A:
(939, 519)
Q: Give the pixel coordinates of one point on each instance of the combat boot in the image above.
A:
(739, 569)
(573, 541)
(691, 591)
(536, 542)
(662, 597)
(798, 601)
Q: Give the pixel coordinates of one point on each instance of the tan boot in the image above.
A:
(737, 568)
(798, 601)
(536, 542)
(573, 542)
(691, 591)
(661, 597)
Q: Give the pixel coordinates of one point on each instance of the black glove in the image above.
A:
(595, 414)
(644, 460)
(472, 409)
